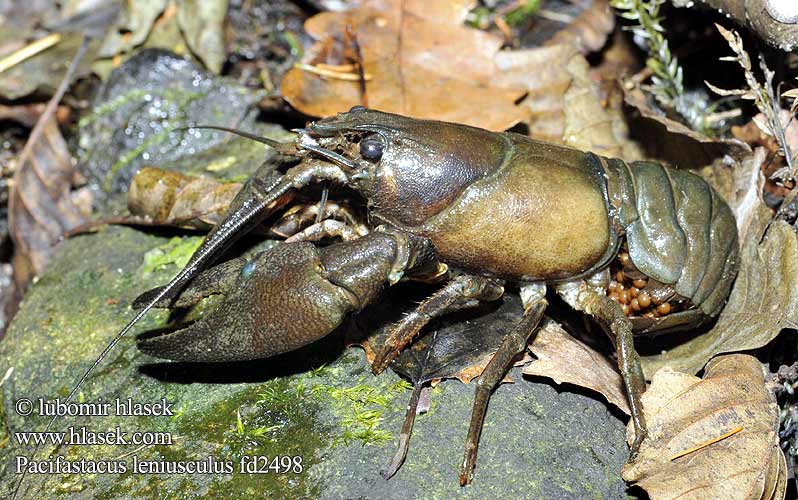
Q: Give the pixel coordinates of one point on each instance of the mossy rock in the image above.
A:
(320, 403)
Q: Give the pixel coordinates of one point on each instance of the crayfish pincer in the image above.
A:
(493, 208)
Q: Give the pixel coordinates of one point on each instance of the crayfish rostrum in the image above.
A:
(638, 246)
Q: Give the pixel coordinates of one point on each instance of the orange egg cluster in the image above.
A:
(631, 294)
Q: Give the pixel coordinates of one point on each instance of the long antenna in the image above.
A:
(263, 140)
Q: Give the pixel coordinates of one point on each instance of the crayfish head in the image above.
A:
(409, 169)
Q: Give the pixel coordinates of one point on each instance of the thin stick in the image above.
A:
(29, 51)
(337, 75)
(704, 445)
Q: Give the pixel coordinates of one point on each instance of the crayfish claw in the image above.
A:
(278, 302)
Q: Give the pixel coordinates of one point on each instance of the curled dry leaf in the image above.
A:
(589, 30)
(564, 359)
(175, 199)
(676, 142)
(41, 72)
(178, 25)
(202, 25)
(727, 422)
(418, 59)
(41, 209)
(564, 102)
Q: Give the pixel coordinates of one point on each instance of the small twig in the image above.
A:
(112, 221)
(29, 51)
(316, 70)
(350, 33)
(704, 445)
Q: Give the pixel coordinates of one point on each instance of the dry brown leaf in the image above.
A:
(564, 359)
(565, 104)
(41, 209)
(684, 413)
(422, 61)
(676, 142)
(544, 100)
(172, 198)
(589, 30)
(590, 123)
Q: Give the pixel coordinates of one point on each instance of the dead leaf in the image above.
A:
(564, 102)
(675, 142)
(202, 25)
(686, 413)
(592, 123)
(41, 72)
(564, 359)
(40, 204)
(186, 27)
(175, 199)
(424, 63)
(544, 100)
(589, 30)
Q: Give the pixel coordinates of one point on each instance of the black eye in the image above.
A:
(371, 149)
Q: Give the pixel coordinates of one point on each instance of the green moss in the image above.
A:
(360, 407)
(174, 253)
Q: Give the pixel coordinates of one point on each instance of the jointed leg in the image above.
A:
(512, 344)
(457, 293)
(328, 228)
(611, 317)
(299, 217)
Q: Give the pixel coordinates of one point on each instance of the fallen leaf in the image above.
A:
(423, 61)
(675, 142)
(588, 31)
(545, 92)
(564, 359)
(591, 123)
(40, 204)
(133, 26)
(175, 199)
(186, 27)
(564, 103)
(202, 25)
(727, 422)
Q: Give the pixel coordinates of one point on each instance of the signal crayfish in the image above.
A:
(478, 210)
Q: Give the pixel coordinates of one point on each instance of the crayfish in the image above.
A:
(476, 208)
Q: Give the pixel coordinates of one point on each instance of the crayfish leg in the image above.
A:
(494, 372)
(462, 291)
(615, 323)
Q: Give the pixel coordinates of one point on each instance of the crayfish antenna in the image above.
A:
(283, 147)
(246, 214)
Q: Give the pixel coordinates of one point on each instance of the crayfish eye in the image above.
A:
(371, 149)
